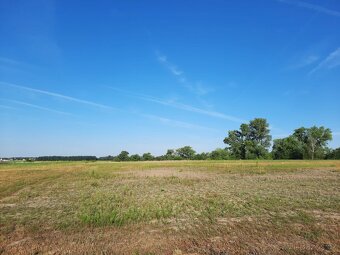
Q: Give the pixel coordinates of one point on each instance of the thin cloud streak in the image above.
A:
(196, 87)
(161, 119)
(176, 123)
(331, 61)
(37, 107)
(173, 68)
(306, 61)
(181, 106)
(56, 95)
(313, 7)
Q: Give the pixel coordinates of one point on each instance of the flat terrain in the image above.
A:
(183, 207)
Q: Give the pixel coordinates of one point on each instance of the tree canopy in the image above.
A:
(304, 143)
(186, 152)
(314, 140)
(287, 148)
(251, 141)
(123, 156)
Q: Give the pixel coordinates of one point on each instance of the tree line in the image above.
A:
(183, 153)
(251, 141)
(65, 158)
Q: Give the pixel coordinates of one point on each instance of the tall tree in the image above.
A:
(135, 157)
(314, 139)
(147, 156)
(236, 140)
(186, 152)
(123, 156)
(251, 141)
(170, 154)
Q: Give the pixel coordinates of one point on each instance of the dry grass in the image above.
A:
(185, 207)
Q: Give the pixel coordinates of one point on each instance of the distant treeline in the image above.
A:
(184, 153)
(65, 158)
(251, 141)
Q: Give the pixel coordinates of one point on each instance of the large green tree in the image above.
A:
(287, 148)
(186, 152)
(147, 156)
(250, 141)
(135, 157)
(314, 140)
(170, 154)
(123, 156)
(236, 141)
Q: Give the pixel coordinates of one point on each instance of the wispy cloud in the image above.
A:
(173, 68)
(305, 61)
(57, 95)
(336, 133)
(36, 106)
(181, 106)
(331, 61)
(195, 87)
(176, 123)
(312, 7)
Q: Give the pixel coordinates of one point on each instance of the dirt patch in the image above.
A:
(329, 215)
(41, 202)
(7, 205)
(240, 238)
(171, 172)
(90, 241)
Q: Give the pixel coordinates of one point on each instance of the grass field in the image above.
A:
(184, 207)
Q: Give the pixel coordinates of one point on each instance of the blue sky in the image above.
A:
(98, 77)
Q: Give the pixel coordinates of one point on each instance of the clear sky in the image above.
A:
(98, 77)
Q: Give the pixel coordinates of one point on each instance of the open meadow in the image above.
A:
(170, 207)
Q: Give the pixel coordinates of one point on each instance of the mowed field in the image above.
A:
(182, 207)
